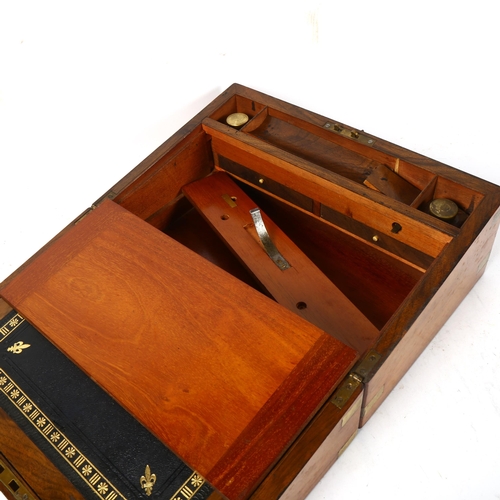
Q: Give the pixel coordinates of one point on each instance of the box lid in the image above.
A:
(221, 374)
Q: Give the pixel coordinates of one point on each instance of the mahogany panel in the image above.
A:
(313, 453)
(303, 177)
(386, 181)
(302, 287)
(315, 149)
(163, 183)
(430, 319)
(198, 357)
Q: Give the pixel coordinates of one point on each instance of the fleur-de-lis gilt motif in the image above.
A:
(148, 481)
(18, 347)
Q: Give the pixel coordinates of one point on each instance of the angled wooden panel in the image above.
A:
(301, 287)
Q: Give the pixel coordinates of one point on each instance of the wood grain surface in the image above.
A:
(302, 287)
(208, 364)
(44, 478)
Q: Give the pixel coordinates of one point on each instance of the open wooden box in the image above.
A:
(237, 360)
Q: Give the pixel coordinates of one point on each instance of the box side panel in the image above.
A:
(36, 469)
(314, 452)
(12, 485)
(458, 284)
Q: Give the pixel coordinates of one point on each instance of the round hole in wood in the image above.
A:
(301, 305)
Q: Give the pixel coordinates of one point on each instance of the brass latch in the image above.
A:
(350, 133)
(355, 378)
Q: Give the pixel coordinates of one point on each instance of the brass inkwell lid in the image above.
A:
(237, 119)
(444, 209)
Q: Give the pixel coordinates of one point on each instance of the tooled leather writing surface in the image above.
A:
(199, 358)
(98, 445)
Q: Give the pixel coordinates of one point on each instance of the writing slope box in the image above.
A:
(244, 384)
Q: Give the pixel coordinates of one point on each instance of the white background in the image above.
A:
(88, 89)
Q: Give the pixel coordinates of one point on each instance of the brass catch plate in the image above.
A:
(12, 483)
(353, 134)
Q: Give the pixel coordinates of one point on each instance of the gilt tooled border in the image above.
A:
(10, 326)
(97, 482)
(185, 492)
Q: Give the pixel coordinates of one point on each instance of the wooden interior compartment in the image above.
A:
(269, 163)
(465, 198)
(436, 186)
(237, 104)
(303, 140)
(373, 280)
(154, 195)
(417, 176)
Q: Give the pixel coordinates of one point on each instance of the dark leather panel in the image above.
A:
(97, 444)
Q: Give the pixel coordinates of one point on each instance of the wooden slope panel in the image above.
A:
(301, 287)
(221, 374)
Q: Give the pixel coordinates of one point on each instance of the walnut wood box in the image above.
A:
(235, 372)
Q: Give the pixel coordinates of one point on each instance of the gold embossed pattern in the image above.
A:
(66, 449)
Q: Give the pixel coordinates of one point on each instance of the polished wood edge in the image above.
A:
(42, 250)
(453, 284)
(381, 145)
(313, 452)
(281, 419)
(4, 308)
(486, 214)
(12, 484)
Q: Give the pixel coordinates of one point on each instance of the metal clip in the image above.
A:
(266, 241)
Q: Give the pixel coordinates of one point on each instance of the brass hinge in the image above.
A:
(346, 390)
(110, 195)
(83, 215)
(366, 365)
(355, 378)
(353, 134)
